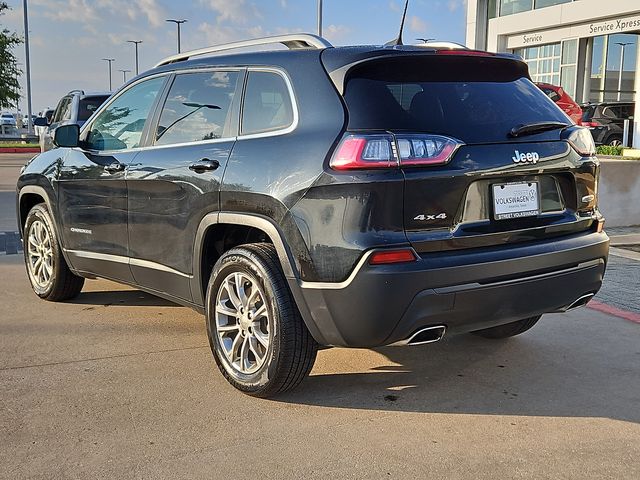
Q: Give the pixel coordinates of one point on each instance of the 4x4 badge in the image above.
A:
(423, 217)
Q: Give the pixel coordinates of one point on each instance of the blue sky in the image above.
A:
(70, 37)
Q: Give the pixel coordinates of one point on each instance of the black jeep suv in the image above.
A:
(355, 196)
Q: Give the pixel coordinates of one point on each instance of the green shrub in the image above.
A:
(608, 150)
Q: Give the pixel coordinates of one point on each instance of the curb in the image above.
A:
(616, 312)
(19, 150)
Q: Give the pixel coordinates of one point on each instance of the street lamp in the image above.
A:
(28, 65)
(178, 23)
(136, 43)
(124, 75)
(622, 47)
(109, 60)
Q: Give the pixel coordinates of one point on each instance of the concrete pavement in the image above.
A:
(120, 384)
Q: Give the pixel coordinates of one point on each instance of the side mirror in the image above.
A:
(41, 122)
(67, 136)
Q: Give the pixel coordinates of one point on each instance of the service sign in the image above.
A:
(593, 29)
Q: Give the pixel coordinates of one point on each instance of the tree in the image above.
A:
(9, 71)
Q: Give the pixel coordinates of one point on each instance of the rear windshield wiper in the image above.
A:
(537, 127)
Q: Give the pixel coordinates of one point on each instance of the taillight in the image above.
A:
(369, 151)
(386, 257)
(589, 124)
(363, 152)
(582, 141)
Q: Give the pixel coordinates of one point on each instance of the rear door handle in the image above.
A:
(114, 167)
(204, 165)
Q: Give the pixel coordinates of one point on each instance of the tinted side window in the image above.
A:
(197, 108)
(120, 125)
(66, 111)
(267, 105)
(88, 105)
(628, 111)
(63, 105)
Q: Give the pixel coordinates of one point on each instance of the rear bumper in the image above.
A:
(464, 291)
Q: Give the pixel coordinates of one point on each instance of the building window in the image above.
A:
(543, 62)
(548, 3)
(509, 7)
(613, 67)
(568, 66)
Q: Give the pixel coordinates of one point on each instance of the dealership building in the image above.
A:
(589, 47)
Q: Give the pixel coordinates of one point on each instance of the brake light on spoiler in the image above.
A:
(374, 151)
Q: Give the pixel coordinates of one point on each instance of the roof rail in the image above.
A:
(77, 90)
(292, 41)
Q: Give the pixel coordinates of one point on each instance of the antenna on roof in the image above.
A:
(398, 41)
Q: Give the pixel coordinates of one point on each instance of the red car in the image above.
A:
(563, 100)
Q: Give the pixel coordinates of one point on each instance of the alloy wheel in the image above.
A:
(40, 254)
(242, 322)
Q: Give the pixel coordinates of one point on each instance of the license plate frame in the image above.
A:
(528, 194)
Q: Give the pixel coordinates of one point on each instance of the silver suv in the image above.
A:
(75, 107)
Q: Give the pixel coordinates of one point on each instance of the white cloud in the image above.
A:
(335, 33)
(453, 5)
(154, 13)
(234, 11)
(417, 24)
(91, 12)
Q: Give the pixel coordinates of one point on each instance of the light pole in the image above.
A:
(136, 43)
(28, 66)
(622, 47)
(178, 23)
(109, 60)
(319, 18)
(124, 75)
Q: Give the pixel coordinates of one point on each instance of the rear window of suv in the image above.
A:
(88, 105)
(457, 100)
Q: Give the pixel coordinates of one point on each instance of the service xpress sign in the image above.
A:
(629, 23)
(617, 25)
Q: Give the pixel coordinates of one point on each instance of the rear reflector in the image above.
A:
(369, 151)
(385, 257)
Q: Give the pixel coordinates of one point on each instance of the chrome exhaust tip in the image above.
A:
(423, 336)
(579, 302)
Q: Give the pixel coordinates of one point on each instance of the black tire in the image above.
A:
(509, 329)
(614, 141)
(62, 284)
(291, 351)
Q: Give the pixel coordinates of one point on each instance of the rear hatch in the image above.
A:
(465, 130)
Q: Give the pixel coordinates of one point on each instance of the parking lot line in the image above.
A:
(617, 312)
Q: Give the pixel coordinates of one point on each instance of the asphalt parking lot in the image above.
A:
(120, 384)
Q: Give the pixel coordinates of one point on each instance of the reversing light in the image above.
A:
(370, 151)
(425, 149)
(386, 257)
(582, 142)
